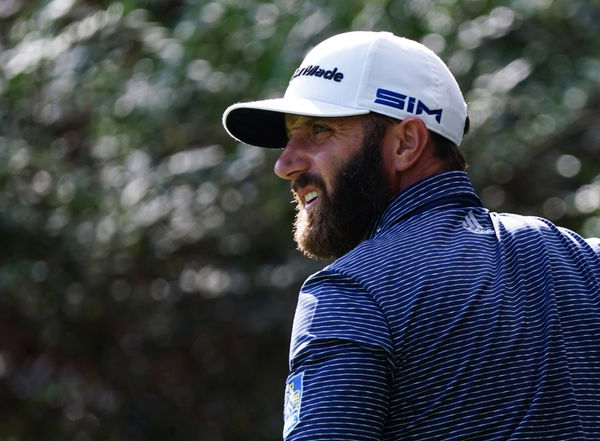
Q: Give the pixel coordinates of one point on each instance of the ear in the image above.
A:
(410, 138)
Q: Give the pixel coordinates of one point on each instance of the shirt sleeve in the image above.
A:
(340, 363)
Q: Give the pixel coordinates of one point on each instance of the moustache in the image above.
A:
(307, 179)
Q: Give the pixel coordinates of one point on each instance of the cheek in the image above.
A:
(333, 156)
(327, 167)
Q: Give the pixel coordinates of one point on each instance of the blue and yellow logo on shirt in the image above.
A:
(293, 400)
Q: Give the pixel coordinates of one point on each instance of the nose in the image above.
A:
(293, 160)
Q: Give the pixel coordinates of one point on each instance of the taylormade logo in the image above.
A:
(317, 71)
(407, 103)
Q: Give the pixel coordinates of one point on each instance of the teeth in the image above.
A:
(311, 196)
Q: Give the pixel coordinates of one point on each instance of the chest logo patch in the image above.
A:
(293, 401)
(471, 223)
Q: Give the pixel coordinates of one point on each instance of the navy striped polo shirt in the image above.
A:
(450, 323)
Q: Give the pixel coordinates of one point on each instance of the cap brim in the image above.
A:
(262, 123)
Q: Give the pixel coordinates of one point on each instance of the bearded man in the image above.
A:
(437, 319)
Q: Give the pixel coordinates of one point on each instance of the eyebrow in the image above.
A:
(310, 120)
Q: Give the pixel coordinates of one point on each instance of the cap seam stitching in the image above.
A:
(366, 71)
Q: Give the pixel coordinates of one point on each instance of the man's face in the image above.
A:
(338, 181)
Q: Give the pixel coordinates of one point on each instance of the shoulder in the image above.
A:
(334, 289)
(514, 223)
(558, 240)
(333, 306)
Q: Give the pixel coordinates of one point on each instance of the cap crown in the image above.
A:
(383, 73)
(356, 73)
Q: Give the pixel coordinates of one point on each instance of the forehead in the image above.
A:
(292, 120)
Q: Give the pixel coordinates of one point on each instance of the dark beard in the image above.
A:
(345, 217)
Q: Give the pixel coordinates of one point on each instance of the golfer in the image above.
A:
(436, 318)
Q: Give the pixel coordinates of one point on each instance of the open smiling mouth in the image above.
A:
(310, 197)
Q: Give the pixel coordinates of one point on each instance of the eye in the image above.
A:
(320, 128)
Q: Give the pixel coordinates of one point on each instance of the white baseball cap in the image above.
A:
(356, 73)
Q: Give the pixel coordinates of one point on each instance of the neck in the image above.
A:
(417, 173)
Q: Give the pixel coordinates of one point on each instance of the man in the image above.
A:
(438, 320)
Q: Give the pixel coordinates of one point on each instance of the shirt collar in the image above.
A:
(429, 191)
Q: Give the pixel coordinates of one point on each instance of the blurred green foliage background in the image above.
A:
(147, 272)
